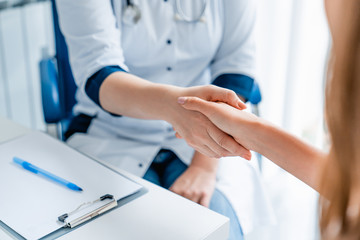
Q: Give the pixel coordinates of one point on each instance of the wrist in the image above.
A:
(164, 100)
(205, 163)
(258, 133)
(170, 109)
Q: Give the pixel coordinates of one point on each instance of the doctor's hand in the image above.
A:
(198, 131)
(241, 125)
(197, 183)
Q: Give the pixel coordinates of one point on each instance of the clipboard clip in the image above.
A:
(88, 210)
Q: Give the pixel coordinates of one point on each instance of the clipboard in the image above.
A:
(87, 211)
(33, 209)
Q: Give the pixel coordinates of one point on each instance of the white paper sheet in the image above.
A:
(30, 204)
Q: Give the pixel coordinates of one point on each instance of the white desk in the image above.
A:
(159, 214)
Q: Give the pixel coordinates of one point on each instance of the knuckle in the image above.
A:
(174, 189)
(191, 100)
(198, 117)
(200, 149)
(223, 140)
(191, 143)
(198, 135)
(208, 153)
(205, 194)
(223, 153)
(187, 192)
(196, 193)
(206, 89)
(239, 152)
(211, 87)
(230, 94)
(215, 155)
(182, 192)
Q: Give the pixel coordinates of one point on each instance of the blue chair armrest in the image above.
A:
(255, 97)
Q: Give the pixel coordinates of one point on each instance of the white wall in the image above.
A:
(24, 31)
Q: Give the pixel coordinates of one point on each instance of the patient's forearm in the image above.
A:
(290, 153)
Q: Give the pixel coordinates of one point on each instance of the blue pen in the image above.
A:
(35, 169)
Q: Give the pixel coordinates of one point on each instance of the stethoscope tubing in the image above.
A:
(179, 12)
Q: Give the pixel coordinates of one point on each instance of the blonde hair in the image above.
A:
(340, 208)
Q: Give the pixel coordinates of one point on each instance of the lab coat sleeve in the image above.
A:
(233, 65)
(92, 37)
(93, 84)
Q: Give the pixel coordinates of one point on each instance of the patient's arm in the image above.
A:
(287, 151)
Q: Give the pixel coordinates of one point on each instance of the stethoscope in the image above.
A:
(132, 13)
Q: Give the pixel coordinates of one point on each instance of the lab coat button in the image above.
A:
(168, 41)
(169, 68)
(140, 165)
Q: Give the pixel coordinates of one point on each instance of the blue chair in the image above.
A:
(57, 83)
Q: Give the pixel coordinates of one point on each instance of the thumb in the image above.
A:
(218, 94)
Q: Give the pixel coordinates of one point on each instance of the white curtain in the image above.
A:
(293, 43)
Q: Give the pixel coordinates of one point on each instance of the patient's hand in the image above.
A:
(239, 124)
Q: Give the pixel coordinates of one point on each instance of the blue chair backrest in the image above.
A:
(57, 83)
(66, 81)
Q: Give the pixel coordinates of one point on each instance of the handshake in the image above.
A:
(214, 122)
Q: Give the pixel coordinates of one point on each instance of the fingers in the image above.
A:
(221, 115)
(205, 200)
(226, 145)
(190, 194)
(203, 148)
(215, 146)
(223, 145)
(217, 143)
(206, 150)
(200, 197)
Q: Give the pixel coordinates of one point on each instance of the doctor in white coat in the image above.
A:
(131, 60)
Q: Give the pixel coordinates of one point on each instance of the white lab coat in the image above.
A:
(196, 55)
